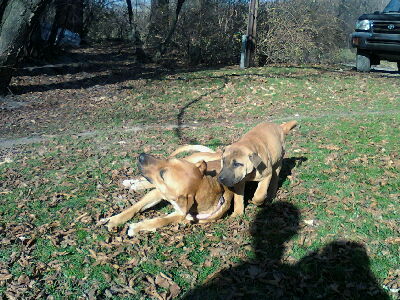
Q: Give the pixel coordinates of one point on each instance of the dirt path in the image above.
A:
(15, 142)
(48, 100)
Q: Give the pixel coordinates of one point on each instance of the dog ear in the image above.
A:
(255, 159)
(257, 162)
(202, 166)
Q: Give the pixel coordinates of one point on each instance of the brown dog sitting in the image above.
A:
(196, 196)
(257, 156)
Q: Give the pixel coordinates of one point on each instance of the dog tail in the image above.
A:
(191, 148)
(286, 127)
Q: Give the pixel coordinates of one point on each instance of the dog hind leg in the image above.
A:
(273, 186)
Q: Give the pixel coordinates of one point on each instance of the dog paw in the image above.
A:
(189, 217)
(128, 183)
(257, 202)
(111, 223)
(132, 230)
(102, 222)
(236, 214)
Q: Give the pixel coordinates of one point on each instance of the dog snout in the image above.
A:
(143, 158)
(226, 179)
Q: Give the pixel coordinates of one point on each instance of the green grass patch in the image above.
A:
(336, 212)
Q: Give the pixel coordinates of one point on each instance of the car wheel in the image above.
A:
(363, 62)
(398, 66)
(375, 61)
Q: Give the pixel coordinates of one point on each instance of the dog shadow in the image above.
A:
(340, 270)
(288, 164)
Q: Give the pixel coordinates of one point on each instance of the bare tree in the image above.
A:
(172, 28)
(69, 15)
(16, 18)
(158, 23)
(3, 4)
(130, 11)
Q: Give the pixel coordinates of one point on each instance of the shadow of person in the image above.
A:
(340, 270)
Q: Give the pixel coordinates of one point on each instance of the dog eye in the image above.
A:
(162, 174)
(237, 164)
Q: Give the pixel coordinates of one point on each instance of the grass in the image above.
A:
(342, 185)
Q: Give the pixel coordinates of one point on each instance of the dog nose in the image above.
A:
(221, 178)
(142, 158)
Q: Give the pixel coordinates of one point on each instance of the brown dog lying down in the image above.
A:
(257, 156)
(204, 153)
(196, 196)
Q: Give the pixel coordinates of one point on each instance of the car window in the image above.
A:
(393, 6)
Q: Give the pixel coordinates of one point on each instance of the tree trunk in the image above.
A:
(59, 20)
(159, 21)
(69, 15)
(3, 4)
(164, 45)
(14, 30)
(130, 12)
(87, 22)
(132, 26)
(251, 33)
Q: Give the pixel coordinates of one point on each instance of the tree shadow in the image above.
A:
(119, 62)
(182, 110)
(340, 270)
(121, 67)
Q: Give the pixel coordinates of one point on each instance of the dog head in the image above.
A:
(179, 181)
(236, 165)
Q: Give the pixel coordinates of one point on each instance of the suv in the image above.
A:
(377, 36)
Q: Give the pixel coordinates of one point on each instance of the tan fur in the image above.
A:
(185, 185)
(257, 156)
(212, 158)
(191, 148)
(204, 153)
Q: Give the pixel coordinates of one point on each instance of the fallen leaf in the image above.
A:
(309, 222)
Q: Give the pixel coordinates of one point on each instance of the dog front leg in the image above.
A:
(261, 191)
(238, 200)
(153, 224)
(150, 199)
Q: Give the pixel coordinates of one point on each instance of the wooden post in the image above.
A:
(251, 34)
(243, 52)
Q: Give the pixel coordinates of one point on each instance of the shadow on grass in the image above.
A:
(385, 73)
(120, 60)
(178, 129)
(287, 165)
(340, 270)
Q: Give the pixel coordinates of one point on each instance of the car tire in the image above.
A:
(398, 66)
(363, 62)
(375, 61)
